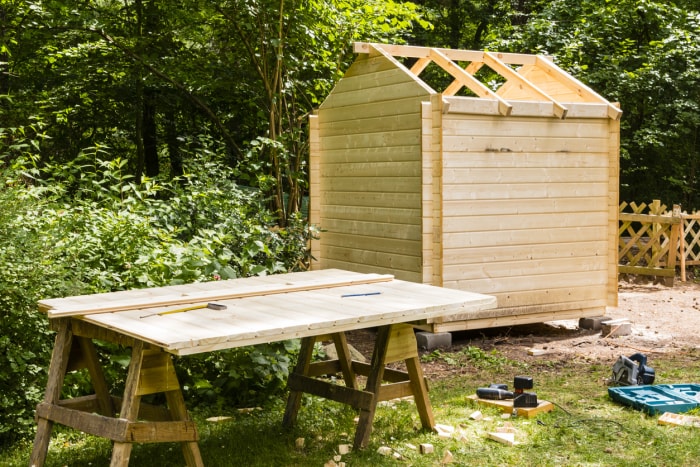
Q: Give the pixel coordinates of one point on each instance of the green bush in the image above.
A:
(87, 227)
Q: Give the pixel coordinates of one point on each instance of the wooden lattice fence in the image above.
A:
(650, 232)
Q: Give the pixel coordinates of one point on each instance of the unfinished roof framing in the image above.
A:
(536, 79)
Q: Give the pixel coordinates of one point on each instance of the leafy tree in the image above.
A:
(148, 78)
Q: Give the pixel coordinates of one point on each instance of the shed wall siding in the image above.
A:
(370, 172)
(526, 210)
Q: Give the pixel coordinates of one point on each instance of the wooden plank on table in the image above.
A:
(103, 304)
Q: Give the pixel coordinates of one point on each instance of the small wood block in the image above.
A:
(384, 450)
(426, 448)
(616, 327)
(507, 406)
(677, 419)
(503, 438)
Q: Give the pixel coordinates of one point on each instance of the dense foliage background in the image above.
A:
(155, 142)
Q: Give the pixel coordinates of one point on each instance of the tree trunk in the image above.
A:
(173, 144)
(150, 138)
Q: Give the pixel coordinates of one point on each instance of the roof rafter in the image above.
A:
(523, 83)
(507, 72)
(551, 68)
(468, 80)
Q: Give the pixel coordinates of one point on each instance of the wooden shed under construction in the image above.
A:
(508, 189)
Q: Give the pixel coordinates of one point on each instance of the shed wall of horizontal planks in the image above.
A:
(511, 192)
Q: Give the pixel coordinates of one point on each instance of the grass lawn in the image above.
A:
(586, 428)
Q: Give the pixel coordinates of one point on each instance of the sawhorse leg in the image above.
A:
(150, 372)
(394, 343)
(57, 371)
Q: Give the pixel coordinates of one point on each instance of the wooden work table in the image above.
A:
(313, 306)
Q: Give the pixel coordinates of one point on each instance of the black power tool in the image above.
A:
(633, 371)
(519, 396)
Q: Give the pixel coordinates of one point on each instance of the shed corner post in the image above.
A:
(314, 189)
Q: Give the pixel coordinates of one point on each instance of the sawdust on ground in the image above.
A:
(664, 320)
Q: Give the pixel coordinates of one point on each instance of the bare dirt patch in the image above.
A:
(664, 320)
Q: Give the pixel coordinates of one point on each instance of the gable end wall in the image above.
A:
(368, 151)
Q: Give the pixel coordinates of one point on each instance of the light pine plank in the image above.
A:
(411, 276)
(511, 160)
(554, 206)
(404, 105)
(373, 214)
(506, 271)
(544, 282)
(522, 222)
(175, 296)
(388, 200)
(526, 127)
(401, 90)
(516, 317)
(374, 169)
(374, 229)
(369, 65)
(399, 138)
(550, 299)
(508, 253)
(373, 184)
(373, 258)
(378, 79)
(524, 191)
(486, 143)
(387, 245)
(525, 175)
(405, 121)
(523, 237)
(399, 154)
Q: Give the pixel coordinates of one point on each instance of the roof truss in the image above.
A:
(517, 86)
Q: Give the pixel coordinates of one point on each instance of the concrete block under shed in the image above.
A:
(593, 323)
(616, 327)
(430, 340)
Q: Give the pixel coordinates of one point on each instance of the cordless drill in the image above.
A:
(519, 396)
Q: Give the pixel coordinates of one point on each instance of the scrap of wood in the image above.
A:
(427, 448)
(503, 438)
(447, 458)
(55, 309)
(676, 419)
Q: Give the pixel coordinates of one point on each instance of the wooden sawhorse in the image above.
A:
(396, 342)
(150, 371)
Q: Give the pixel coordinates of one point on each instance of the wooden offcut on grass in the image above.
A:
(586, 428)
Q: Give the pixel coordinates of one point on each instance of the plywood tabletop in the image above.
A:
(265, 309)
